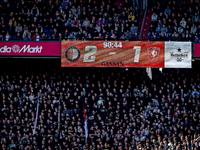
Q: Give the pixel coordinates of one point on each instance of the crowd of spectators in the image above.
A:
(69, 19)
(175, 21)
(125, 109)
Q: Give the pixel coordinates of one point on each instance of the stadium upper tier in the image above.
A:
(58, 20)
(174, 21)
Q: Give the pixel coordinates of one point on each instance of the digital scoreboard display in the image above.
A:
(126, 54)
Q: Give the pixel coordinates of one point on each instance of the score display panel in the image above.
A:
(126, 54)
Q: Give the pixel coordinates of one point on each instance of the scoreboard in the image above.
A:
(126, 54)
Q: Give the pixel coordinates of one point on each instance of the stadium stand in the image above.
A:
(125, 109)
(175, 21)
(62, 20)
(42, 105)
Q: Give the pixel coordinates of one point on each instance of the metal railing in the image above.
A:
(68, 39)
(141, 36)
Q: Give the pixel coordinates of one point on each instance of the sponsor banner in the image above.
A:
(30, 48)
(196, 50)
(178, 55)
(112, 54)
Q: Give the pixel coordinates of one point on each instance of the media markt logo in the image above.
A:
(179, 56)
(15, 48)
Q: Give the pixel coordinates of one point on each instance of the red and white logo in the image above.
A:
(25, 49)
(153, 54)
(16, 48)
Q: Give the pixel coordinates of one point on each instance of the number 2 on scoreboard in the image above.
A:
(90, 53)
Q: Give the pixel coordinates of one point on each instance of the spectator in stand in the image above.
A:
(69, 22)
(99, 37)
(18, 28)
(79, 36)
(1, 37)
(86, 22)
(89, 37)
(164, 30)
(64, 4)
(167, 11)
(3, 29)
(193, 29)
(106, 16)
(187, 34)
(73, 9)
(60, 36)
(18, 37)
(180, 30)
(71, 37)
(198, 29)
(104, 22)
(27, 35)
(36, 37)
(183, 38)
(44, 37)
(170, 30)
(11, 29)
(160, 23)
(183, 23)
(113, 36)
(154, 17)
(98, 28)
(158, 30)
(7, 37)
(133, 29)
(131, 16)
(151, 30)
(35, 11)
(176, 37)
(128, 34)
(196, 39)
(195, 18)
(123, 37)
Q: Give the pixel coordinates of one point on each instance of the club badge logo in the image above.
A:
(153, 54)
(72, 53)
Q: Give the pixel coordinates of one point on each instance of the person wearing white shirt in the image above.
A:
(183, 23)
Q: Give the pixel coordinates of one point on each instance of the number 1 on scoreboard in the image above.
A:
(137, 53)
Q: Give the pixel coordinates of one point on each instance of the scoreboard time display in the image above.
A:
(126, 54)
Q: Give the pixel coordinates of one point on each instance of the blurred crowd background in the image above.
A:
(124, 108)
(69, 20)
(176, 20)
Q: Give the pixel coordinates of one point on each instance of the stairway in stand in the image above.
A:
(140, 25)
(145, 29)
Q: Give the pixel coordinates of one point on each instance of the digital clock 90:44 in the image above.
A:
(112, 44)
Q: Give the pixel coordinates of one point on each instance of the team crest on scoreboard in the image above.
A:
(72, 53)
(153, 54)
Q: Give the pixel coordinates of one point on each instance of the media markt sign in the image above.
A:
(178, 55)
(25, 49)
